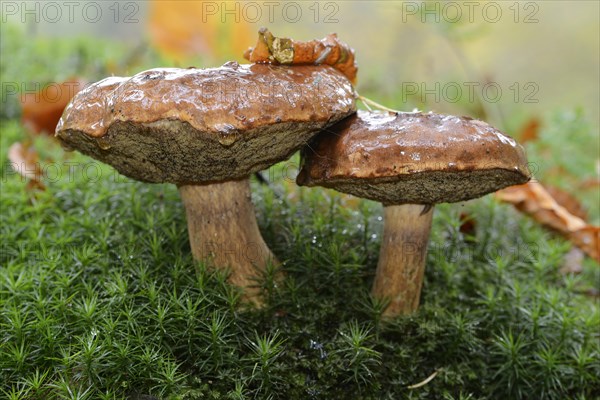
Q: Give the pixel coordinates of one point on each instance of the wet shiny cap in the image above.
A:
(193, 125)
(413, 158)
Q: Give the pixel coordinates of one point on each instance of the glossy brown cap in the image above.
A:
(413, 158)
(192, 125)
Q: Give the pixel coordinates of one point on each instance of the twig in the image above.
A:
(368, 107)
(368, 102)
(425, 382)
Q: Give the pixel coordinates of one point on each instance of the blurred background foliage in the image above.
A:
(505, 42)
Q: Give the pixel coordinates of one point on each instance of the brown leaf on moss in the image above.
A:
(568, 201)
(530, 131)
(24, 160)
(533, 199)
(468, 225)
(588, 184)
(588, 240)
(329, 50)
(42, 110)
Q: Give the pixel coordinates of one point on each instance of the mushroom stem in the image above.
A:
(402, 257)
(223, 231)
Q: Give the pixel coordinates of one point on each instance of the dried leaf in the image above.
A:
(530, 131)
(588, 184)
(42, 110)
(588, 240)
(468, 224)
(329, 50)
(25, 160)
(568, 201)
(533, 199)
(186, 29)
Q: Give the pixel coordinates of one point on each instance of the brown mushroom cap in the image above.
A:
(413, 158)
(189, 126)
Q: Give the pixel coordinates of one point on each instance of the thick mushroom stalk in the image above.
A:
(223, 231)
(401, 266)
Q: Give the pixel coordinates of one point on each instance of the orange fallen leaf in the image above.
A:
(533, 199)
(530, 131)
(592, 183)
(329, 50)
(183, 30)
(468, 225)
(24, 160)
(588, 240)
(568, 201)
(42, 110)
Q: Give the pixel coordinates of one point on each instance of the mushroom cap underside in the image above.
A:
(188, 126)
(413, 158)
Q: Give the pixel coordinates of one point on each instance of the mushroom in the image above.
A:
(409, 162)
(207, 131)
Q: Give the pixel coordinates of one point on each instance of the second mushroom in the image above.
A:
(409, 162)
